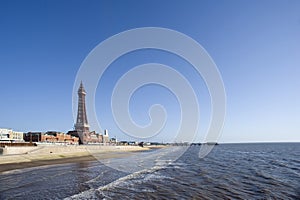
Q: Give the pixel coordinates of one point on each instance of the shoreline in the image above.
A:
(48, 156)
(23, 165)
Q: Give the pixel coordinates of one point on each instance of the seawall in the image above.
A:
(66, 149)
(15, 150)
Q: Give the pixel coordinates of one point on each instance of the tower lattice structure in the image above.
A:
(82, 126)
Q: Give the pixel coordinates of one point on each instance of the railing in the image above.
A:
(16, 144)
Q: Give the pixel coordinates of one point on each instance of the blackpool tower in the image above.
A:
(82, 126)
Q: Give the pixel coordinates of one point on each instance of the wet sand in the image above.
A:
(22, 165)
(21, 161)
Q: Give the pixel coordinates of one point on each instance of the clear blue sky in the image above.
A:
(255, 44)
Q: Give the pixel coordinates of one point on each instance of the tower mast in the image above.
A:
(82, 126)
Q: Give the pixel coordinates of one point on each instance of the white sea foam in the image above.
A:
(123, 182)
(142, 168)
(144, 160)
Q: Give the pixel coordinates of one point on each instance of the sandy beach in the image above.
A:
(49, 155)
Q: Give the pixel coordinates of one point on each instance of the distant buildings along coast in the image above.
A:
(8, 135)
(81, 134)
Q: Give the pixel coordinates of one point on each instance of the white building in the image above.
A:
(4, 134)
(10, 135)
(106, 133)
(105, 136)
(16, 136)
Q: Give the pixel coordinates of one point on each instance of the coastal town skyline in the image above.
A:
(42, 49)
(133, 99)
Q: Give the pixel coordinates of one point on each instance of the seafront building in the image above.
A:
(9, 135)
(50, 137)
(4, 134)
(53, 136)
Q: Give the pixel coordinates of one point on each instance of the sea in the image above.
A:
(229, 171)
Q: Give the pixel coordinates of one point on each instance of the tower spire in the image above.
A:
(82, 126)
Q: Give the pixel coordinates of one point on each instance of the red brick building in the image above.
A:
(58, 137)
(50, 136)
